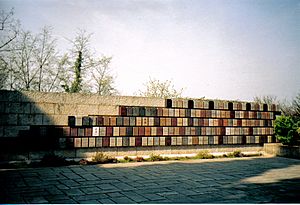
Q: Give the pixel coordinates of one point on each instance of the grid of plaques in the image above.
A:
(179, 123)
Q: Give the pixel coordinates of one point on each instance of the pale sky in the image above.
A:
(225, 49)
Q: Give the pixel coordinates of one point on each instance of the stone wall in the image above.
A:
(116, 124)
(180, 122)
(20, 110)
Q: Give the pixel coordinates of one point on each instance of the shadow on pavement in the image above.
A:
(251, 180)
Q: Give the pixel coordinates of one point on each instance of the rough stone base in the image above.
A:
(278, 149)
(130, 151)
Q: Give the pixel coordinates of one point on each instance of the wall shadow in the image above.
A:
(24, 126)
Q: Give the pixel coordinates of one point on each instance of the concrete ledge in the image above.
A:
(87, 153)
(278, 149)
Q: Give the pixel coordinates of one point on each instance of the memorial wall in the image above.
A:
(73, 121)
(179, 122)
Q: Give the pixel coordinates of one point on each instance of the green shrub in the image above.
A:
(236, 153)
(128, 159)
(287, 130)
(154, 157)
(204, 155)
(166, 158)
(102, 158)
(229, 155)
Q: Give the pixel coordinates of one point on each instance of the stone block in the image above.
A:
(13, 131)
(13, 107)
(59, 119)
(42, 108)
(26, 107)
(71, 121)
(10, 119)
(47, 120)
(142, 151)
(92, 142)
(25, 119)
(65, 109)
(38, 119)
(10, 96)
(65, 153)
(107, 110)
(87, 109)
(4, 95)
(2, 107)
(16, 107)
(86, 121)
(1, 131)
(37, 155)
(3, 119)
(30, 119)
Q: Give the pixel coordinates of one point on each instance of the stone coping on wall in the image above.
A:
(91, 98)
(77, 98)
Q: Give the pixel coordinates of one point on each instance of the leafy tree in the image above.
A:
(80, 52)
(287, 126)
(76, 84)
(160, 89)
(287, 130)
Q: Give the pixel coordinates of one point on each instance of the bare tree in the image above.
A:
(287, 108)
(160, 89)
(3, 74)
(31, 62)
(87, 73)
(104, 80)
(45, 57)
(268, 99)
(34, 65)
(22, 68)
(9, 28)
(296, 105)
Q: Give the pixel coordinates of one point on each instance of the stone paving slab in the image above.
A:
(237, 180)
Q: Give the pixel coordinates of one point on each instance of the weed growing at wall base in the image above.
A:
(102, 158)
(236, 153)
(204, 155)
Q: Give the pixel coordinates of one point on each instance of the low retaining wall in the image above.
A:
(136, 151)
(278, 149)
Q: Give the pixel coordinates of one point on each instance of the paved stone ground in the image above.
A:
(243, 180)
